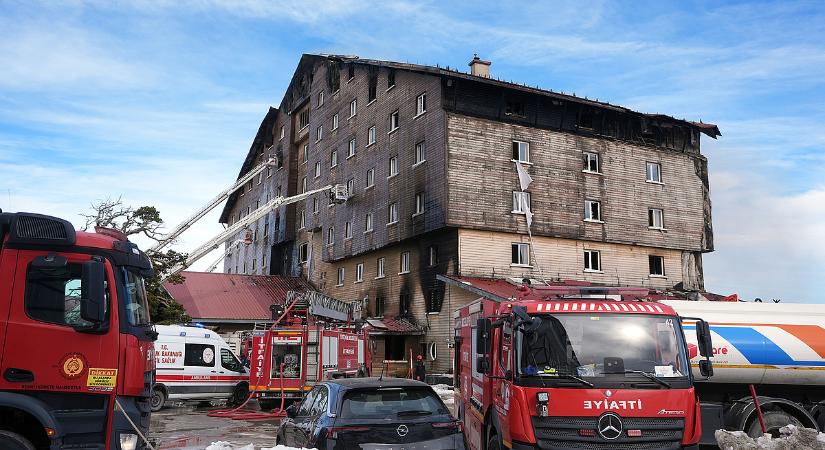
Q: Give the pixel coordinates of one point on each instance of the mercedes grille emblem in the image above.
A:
(610, 426)
(403, 430)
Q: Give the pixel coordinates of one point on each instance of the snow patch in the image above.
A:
(444, 391)
(791, 438)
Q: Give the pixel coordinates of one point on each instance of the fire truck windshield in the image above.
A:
(603, 346)
(137, 304)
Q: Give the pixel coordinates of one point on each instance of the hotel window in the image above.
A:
(335, 122)
(372, 88)
(283, 132)
(350, 72)
(421, 104)
(654, 172)
(393, 166)
(379, 269)
(390, 79)
(520, 254)
(303, 119)
(333, 158)
(368, 222)
(371, 177)
(592, 261)
(303, 184)
(392, 216)
(321, 99)
(305, 153)
(315, 205)
(302, 220)
(521, 202)
(433, 255)
(592, 211)
(353, 107)
(657, 265)
(521, 151)
(303, 252)
(420, 156)
(351, 149)
(351, 187)
(371, 136)
(359, 272)
(656, 218)
(340, 276)
(405, 263)
(379, 307)
(591, 162)
(330, 235)
(394, 121)
(319, 133)
(317, 169)
(419, 203)
(348, 230)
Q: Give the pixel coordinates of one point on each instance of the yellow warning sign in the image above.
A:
(101, 379)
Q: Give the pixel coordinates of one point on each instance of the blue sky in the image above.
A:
(158, 100)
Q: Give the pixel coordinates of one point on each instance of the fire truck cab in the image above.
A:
(76, 344)
(576, 368)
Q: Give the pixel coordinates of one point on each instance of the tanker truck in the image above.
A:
(777, 348)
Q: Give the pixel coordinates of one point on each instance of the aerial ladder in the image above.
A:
(220, 198)
(338, 194)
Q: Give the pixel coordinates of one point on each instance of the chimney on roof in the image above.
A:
(479, 67)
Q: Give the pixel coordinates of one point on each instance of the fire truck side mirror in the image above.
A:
(706, 368)
(703, 338)
(92, 292)
(483, 341)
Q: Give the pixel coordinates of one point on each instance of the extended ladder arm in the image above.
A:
(229, 250)
(183, 226)
(338, 191)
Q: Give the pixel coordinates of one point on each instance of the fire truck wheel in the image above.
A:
(774, 420)
(10, 440)
(266, 404)
(494, 443)
(158, 399)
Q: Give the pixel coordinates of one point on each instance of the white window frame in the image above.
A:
(333, 159)
(359, 273)
(350, 187)
(335, 122)
(588, 158)
(348, 229)
(421, 104)
(302, 220)
(419, 203)
(420, 153)
(517, 154)
(655, 215)
(588, 211)
(331, 236)
(433, 256)
(588, 261)
(342, 274)
(371, 135)
(649, 175)
(317, 169)
(302, 258)
(522, 252)
(393, 166)
(320, 99)
(353, 107)
(368, 222)
(520, 201)
(351, 148)
(404, 266)
(380, 268)
(315, 206)
(395, 121)
(650, 267)
(392, 213)
(283, 132)
(319, 133)
(370, 178)
(303, 184)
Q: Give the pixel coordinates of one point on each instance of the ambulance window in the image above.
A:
(202, 355)
(53, 295)
(229, 361)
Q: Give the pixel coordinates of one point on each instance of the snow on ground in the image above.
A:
(221, 445)
(792, 438)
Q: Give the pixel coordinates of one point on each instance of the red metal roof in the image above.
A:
(221, 296)
(394, 325)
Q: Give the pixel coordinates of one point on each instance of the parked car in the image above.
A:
(196, 364)
(371, 414)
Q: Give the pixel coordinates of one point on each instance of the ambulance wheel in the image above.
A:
(158, 399)
(266, 404)
(774, 420)
(10, 440)
(239, 394)
(494, 443)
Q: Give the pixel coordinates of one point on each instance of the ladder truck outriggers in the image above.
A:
(572, 367)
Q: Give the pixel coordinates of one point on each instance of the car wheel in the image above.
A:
(239, 394)
(774, 420)
(493, 443)
(158, 399)
(10, 440)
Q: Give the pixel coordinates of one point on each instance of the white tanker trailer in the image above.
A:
(777, 347)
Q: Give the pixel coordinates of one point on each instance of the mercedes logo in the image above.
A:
(403, 430)
(610, 426)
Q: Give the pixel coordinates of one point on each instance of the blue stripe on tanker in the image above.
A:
(756, 347)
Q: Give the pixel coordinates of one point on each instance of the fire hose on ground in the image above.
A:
(241, 413)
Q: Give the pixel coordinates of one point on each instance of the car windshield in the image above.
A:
(596, 345)
(391, 403)
(136, 302)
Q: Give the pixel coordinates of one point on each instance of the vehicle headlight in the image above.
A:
(128, 441)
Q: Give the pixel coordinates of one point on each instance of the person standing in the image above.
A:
(420, 372)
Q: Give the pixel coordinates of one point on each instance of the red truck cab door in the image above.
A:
(503, 371)
(43, 350)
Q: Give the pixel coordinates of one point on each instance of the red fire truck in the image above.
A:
(313, 339)
(563, 367)
(76, 344)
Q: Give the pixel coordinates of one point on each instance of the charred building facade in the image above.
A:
(429, 157)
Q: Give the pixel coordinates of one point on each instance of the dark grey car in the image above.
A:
(372, 414)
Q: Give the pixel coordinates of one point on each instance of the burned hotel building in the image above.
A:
(430, 160)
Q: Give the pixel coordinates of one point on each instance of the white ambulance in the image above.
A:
(195, 363)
